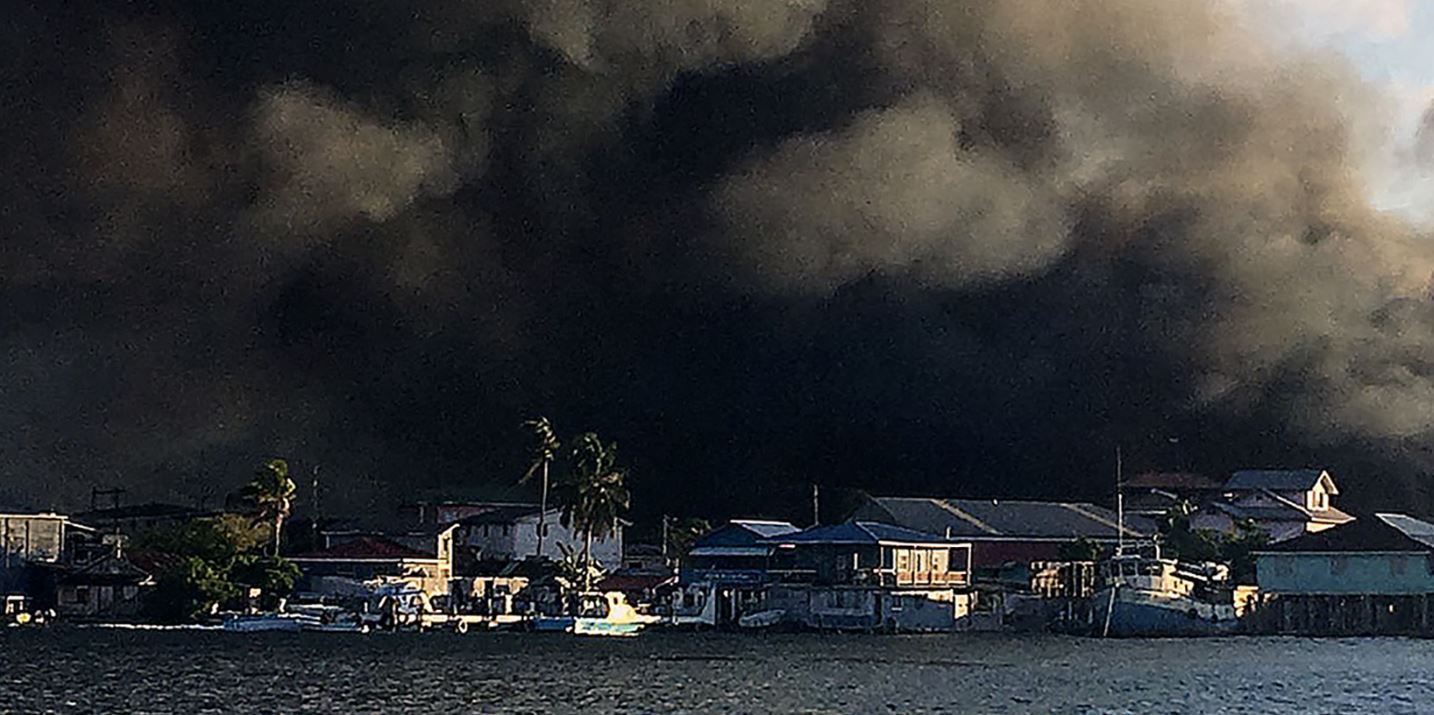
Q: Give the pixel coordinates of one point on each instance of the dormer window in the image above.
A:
(1319, 500)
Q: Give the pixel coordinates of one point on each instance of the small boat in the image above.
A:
(694, 607)
(605, 614)
(761, 619)
(1145, 596)
(264, 622)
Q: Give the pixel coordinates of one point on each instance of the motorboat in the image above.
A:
(598, 614)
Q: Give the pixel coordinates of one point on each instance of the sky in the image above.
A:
(1388, 42)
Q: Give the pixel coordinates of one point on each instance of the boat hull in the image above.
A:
(1135, 615)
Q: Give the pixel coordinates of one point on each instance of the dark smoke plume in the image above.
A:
(936, 246)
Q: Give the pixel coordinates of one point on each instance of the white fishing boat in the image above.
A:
(599, 614)
(1149, 596)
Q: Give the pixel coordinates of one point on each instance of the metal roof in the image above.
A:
(1285, 480)
(861, 532)
(1385, 532)
(766, 529)
(1002, 519)
(365, 548)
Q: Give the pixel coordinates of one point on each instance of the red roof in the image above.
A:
(369, 548)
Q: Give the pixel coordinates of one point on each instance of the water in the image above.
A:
(73, 671)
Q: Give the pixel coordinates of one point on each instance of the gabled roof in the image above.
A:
(860, 532)
(108, 569)
(743, 532)
(1282, 509)
(766, 529)
(502, 514)
(1284, 480)
(1385, 532)
(993, 519)
(365, 548)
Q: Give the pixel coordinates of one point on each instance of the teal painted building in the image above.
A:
(1387, 555)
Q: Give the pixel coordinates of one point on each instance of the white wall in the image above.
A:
(520, 540)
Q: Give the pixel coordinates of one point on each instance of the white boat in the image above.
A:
(1144, 596)
(605, 614)
(761, 619)
(263, 622)
(694, 607)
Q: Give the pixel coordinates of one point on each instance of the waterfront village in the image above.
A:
(1255, 551)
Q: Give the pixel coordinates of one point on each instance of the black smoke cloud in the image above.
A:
(910, 245)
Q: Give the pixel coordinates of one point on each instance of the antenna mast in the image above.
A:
(1119, 505)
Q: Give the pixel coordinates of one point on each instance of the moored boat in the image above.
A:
(1145, 596)
(604, 614)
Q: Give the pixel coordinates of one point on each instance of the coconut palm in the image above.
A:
(595, 495)
(271, 494)
(544, 451)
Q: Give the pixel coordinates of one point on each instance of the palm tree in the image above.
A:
(596, 495)
(271, 494)
(544, 451)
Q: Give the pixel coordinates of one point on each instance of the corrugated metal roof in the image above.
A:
(1385, 532)
(766, 529)
(860, 532)
(1284, 480)
(996, 518)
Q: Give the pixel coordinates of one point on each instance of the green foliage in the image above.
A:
(1196, 545)
(545, 447)
(190, 591)
(683, 532)
(1082, 549)
(271, 494)
(220, 559)
(595, 494)
(274, 576)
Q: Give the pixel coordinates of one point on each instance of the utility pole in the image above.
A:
(664, 539)
(816, 505)
(314, 520)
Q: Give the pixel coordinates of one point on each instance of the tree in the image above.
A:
(271, 494)
(544, 451)
(679, 535)
(595, 493)
(190, 590)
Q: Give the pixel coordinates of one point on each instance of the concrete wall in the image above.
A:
(520, 540)
(1386, 573)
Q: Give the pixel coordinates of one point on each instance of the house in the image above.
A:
(347, 566)
(1006, 532)
(1283, 503)
(109, 586)
(1154, 494)
(1389, 554)
(863, 575)
(736, 553)
(34, 546)
(1374, 575)
(644, 558)
(34, 537)
(502, 532)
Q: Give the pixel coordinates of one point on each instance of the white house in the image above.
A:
(1284, 503)
(510, 531)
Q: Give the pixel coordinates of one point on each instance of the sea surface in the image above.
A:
(103, 671)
